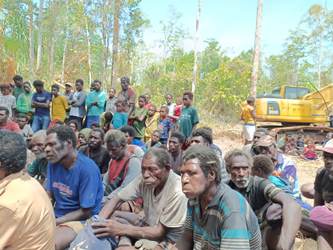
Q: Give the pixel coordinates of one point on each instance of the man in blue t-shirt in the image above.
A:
(73, 182)
(41, 102)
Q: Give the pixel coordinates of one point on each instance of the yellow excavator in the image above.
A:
(297, 109)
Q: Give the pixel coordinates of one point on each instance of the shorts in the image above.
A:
(248, 131)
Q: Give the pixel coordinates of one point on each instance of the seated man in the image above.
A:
(163, 201)
(73, 182)
(176, 142)
(266, 200)
(283, 166)
(217, 216)
(96, 151)
(204, 136)
(130, 133)
(26, 214)
(260, 132)
(38, 167)
(125, 164)
(322, 213)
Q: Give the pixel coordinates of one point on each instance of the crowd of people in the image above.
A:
(87, 170)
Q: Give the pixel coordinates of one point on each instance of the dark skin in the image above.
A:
(40, 89)
(174, 146)
(187, 102)
(154, 176)
(124, 86)
(3, 117)
(141, 104)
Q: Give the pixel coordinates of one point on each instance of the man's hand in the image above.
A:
(108, 228)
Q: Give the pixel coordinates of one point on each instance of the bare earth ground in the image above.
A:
(229, 137)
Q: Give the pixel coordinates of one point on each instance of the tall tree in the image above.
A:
(31, 39)
(115, 41)
(256, 55)
(40, 34)
(196, 41)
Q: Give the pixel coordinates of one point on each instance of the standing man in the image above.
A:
(23, 101)
(248, 116)
(73, 183)
(111, 102)
(41, 102)
(68, 91)
(170, 104)
(27, 218)
(189, 118)
(59, 104)
(217, 217)
(127, 94)
(18, 80)
(7, 99)
(78, 110)
(95, 103)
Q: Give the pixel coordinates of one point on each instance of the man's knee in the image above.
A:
(63, 237)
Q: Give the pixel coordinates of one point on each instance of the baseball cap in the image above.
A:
(328, 147)
(265, 141)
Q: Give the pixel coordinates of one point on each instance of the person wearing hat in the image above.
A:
(68, 91)
(322, 214)
(248, 115)
(283, 166)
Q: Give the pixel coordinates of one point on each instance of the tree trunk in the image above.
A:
(64, 54)
(31, 40)
(196, 41)
(106, 37)
(115, 42)
(256, 56)
(40, 35)
(89, 50)
(51, 58)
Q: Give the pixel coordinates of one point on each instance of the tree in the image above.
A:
(115, 41)
(40, 34)
(256, 56)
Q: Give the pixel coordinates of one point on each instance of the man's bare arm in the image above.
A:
(77, 215)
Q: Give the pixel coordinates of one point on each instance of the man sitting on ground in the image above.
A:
(130, 134)
(96, 151)
(261, 193)
(6, 123)
(176, 142)
(164, 205)
(217, 217)
(27, 218)
(73, 182)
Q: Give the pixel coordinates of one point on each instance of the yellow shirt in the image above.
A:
(26, 214)
(151, 125)
(247, 114)
(59, 107)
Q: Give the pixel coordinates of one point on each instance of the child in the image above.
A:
(151, 122)
(120, 117)
(138, 117)
(164, 124)
(154, 142)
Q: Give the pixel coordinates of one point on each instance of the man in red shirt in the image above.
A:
(7, 124)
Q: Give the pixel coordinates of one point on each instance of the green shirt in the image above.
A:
(17, 91)
(187, 120)
(137, 125)
(23, 103)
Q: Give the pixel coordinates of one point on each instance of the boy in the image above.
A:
(164, 124)
(59, 104)
(120, 117)
(151, 122)
(138, 117)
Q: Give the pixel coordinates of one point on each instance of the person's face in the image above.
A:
(3, 116)
(112, 93)
(186, 100)
(240, 171)
(97, 86)
(174, 145)
(73, 127)
(37, 145)
(27, 88)
(78, 86)
(198, 140)
(82, 140)
(151, 111)
(55, 150)
(163, 112)
(152, 174)
(18, 83)
(328, 161)
(141, 102)
(155, 137)
(124, 85)
(168, 99)
(21, 121)
(129, 138)
(115, 150)
(194, 181)
(39, 89)
(5, 91)
(270, 151)
(119, 107)
(55, 91)
(68, 88)
(257, 136)
(95, 140)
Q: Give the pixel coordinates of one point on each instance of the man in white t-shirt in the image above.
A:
(164, 205)
(7, 99)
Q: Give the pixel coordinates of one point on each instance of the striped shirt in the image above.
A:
(227, 223)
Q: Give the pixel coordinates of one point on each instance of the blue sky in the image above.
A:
(231, 22)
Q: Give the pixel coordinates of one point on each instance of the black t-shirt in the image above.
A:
(324, 185)
(100, 157)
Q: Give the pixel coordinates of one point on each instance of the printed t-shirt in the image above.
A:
(27, 218)
(78, 187)
(42, 97)
(165, 126)
(188, 118)
(247, 114)
(59, 107)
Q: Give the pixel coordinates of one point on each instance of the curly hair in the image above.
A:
(64, 133)
(234, 153)
(161, 156)
(264, 163)
(13, 152)
(115, 136)
(208, 160)
(179, 136)
(205, 133)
